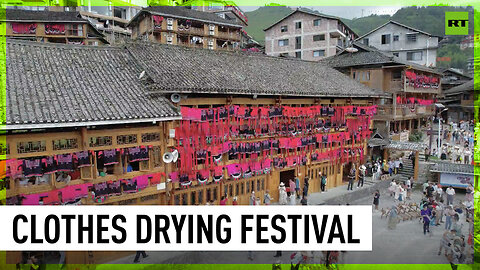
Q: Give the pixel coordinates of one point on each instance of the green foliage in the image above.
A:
(415, 136)
(459, 57)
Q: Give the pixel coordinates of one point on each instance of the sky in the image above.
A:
(349, 12)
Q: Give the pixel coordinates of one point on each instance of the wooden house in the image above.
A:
(186, 27)
(52, 27)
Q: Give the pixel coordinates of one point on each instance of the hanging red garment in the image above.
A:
(54, 29)
(24, 28)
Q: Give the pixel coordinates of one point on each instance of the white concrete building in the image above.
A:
(307, 35)
(405, 42)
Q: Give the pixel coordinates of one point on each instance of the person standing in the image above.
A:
(297, 187)
(258, 201)
(376, 199)
(392, 218)
(439, 196)
(235, 202)
(292, 186)
(252, 199)
(450, 195)
(409, 187)
(445, 243)
(305, 187)
(469, 192)
(426, 219)
(361, 179)
(439, 210)
(449, 213)
(351, 178)
(282, 197)
(267, 198)
(323, 182)
(397, 166)
(137, 256)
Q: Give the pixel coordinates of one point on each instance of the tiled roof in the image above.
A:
(407, 146)
(468, 86)
(185, 13)
(54, 85)
(444, 167)
(368, 55)
(397, 23)
(189, 70)
(42, 16)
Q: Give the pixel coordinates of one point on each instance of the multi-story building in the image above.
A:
(52, 27)
(307, 35)
(452, 77)
(413, 88)
(244, 123)
(405, 42)
(468, 41)
(186, 27)
(460, 102)
(108, 19)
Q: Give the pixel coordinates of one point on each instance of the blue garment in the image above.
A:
(297, 184)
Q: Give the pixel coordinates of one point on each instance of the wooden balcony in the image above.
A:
(228, 35)
(192, 31)
(403, 112)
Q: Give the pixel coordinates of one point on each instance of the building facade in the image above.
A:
(452, 77)
(307, 35)
(412, 89)
(460, 102)
(405, 42)
(52, 27)
(186, 27)
(238, 129)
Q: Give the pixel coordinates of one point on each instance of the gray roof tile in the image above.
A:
(56, 83)
(190, 70)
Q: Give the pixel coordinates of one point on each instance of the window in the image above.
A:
(31, 147)
(63, 144)
(319, 53)
(395, 37)
(74, 29)
(298, 43)
(354, 75)
(414, 56)
(396, 54)
(100, 141)
(283, 42)
(298, 25)
(318, 37)
(411, 37)
(386, 39)
(127, 139)
(284, 28)
(397, 75)
(466, 96)
(316, 22)
(365, 41)
(298, 55)
(151, 137)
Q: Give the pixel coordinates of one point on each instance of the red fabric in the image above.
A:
(156, 178)
(24, 28)
(54, 29)
(52, 198)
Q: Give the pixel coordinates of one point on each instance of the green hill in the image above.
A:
(263, 17)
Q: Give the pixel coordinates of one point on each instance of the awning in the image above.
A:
(452, 168)
(407, 146)
(377, 142)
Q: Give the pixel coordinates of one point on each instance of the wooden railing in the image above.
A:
(228, 35)
(388, 111)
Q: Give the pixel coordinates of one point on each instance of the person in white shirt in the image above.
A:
(409, 188)
(439, 193)
(397, 166)
(450, 195)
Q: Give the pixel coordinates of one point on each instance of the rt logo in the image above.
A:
(456, 23)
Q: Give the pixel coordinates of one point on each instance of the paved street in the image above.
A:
(405, 244)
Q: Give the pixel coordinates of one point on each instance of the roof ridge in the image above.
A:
(60, 45)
